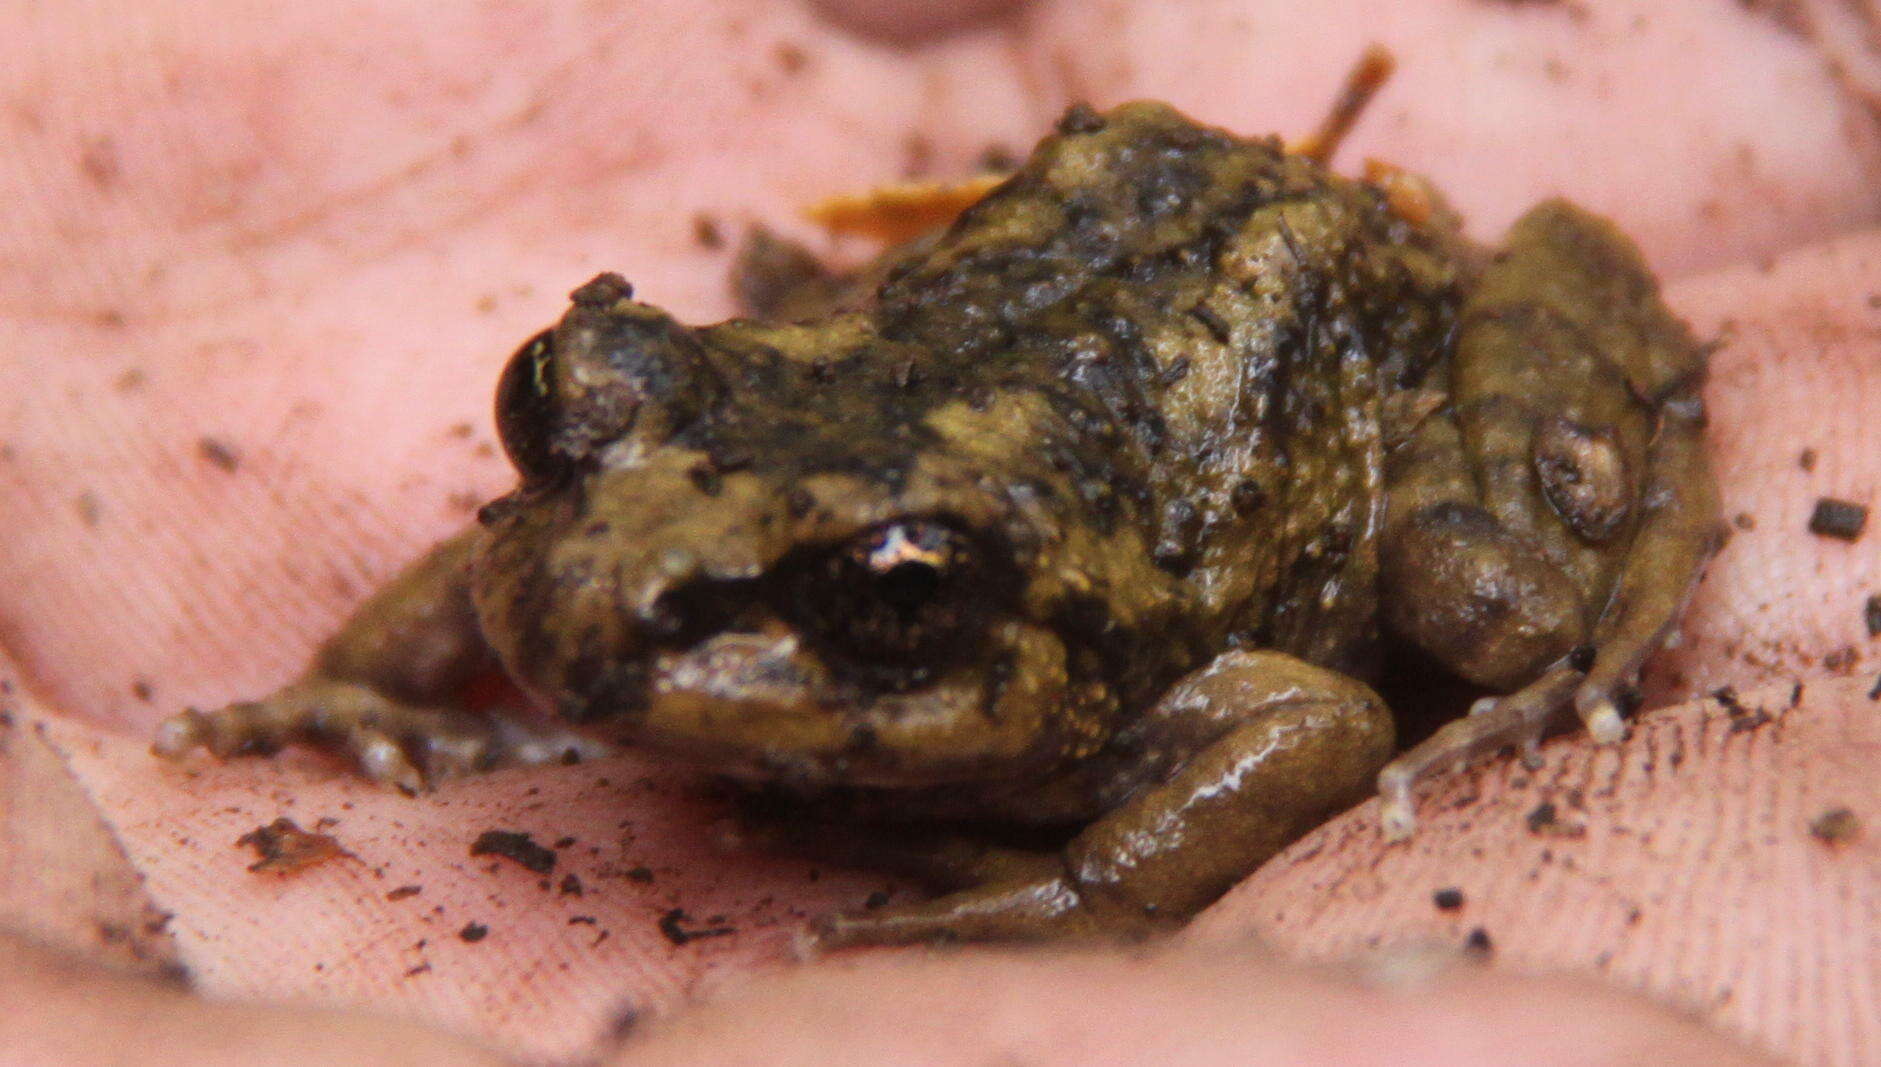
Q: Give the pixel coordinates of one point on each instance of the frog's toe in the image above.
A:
(1020, 910)
(405, 747)
(1600, 713)
(1518, 720)
(338, 723)
(383, 761)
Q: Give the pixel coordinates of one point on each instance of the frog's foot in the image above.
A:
(1032, 899)
(990, 892)
(943, 862)
(394, 744)
(1494, 723)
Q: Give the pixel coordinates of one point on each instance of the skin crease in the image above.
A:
(234, 515)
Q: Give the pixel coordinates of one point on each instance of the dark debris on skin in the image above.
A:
(1843, 520)
(285, 848)
(673, 928)
(516, 846)
(1837, 826)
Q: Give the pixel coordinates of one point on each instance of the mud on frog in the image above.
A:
(1090, 512)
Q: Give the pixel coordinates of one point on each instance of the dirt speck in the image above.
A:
(1843, 520)
(285, 848)
(1447, 899)
(791, 58)
(1836, 826)
(515, 846)
(673, 926)
(219, 454)
(473, 932)
(1478, 943)
(98, 161)
(1545, 820)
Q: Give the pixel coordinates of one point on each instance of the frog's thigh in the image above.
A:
(1556, 526)
(381, 692)
(1576, 390)
(1245, 756)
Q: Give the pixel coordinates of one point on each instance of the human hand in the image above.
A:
(266, 276)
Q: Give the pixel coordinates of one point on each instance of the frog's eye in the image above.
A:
(901, 595)
(611, 369)
(525, 410)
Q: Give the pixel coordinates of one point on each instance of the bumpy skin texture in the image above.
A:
(1088, 517)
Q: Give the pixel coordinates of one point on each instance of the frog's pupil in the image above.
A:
(908, 586)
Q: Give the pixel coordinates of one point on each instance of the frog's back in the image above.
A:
(1217, 319)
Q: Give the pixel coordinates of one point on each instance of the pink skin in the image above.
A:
(280, 234)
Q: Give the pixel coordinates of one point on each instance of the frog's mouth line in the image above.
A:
(765, 706)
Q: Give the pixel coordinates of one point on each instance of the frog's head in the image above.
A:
(808, 553)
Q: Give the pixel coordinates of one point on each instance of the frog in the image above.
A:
(1052, 558)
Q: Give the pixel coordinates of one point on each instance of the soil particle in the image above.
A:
(1836, 826)
(219, 454)
(516, 846)
(1545, 820)
(1478, 943)
(1841, 660)
(285, 848)
(473, 932)
(1449, 899)
(673, 928)
(1841, 519)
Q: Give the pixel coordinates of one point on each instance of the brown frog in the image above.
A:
(1089, 515)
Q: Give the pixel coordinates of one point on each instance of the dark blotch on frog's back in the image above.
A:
(1035, 289)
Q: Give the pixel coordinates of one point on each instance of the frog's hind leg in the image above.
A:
(381, 692)
(1236, 761)
(1544, 532)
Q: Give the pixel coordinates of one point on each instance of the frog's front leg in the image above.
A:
(384, 690)
(1545, 529)
(1238, 759)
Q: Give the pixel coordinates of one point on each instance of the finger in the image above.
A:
(64, 1010)
(1193, 1007)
